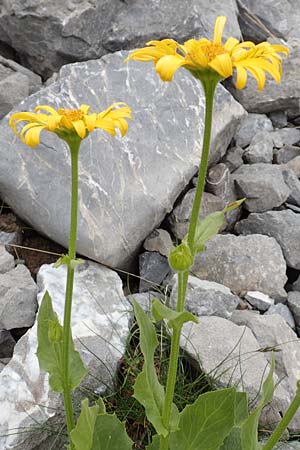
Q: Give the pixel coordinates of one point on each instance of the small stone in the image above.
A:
(154, 268)
(260, 150)
(278, 119)
(293, 302)
(259, 300)
(293, 184)
(286, 153)
(252, 124)
(244, 263)
(285, 136)
(145, 299)
(7, 344)
(159, 241)
(7, 261)
(263, 186)
(217, 180)
(284, 312)
(294, 165)
(233, 158)
(18, 304)
(207, 298)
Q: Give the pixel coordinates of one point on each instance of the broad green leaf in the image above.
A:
(249, 427)
(205, 424)
(209, 226)
(175, 319)
(147, 389)
(233, 440)
(154, 444)
(83, 433)
(110, 434)
(50, 347)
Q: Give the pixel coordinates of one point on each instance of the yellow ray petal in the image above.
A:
(219, 27)
(32, 137)
(241, 77)
(46, 108)
(167, 66)
(231, 43)
(84, 108)
(222, 64)
(106, 125)
(79, 127)
(90, 121)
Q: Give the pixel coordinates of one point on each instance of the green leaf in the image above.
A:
(205, 424)
(110, 434)
(154, 444)
(67, 261)
(233, 440)
(147, 389)
(249, 427)
(49, 351)
(175, 319)
(209, 226)
(83, 433)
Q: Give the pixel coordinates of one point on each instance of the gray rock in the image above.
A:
(233, 158)
(279, 119)
(7, 344)
(274, 332)
(284, 226)
(154, 268)
(286, 445)
(269, 17)
(206, 298)
(16, 83)
(263, 186)
(293, 184)
(260, 150)
(116, 213)
(294, 165)
(159, 241)
(100, 319)
(294, 208)
(244, 263)
(18, 303)
(274, 97)
(285, 136)
(283, 311)
(259, 300)
(76, 31)
(293, 302)
(252, 124)
(180, 217)
(286, 153)
(10, 239)
(296, 284)
(145, 299)
(228, 354)
(7, 261)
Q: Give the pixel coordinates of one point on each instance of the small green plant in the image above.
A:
(216, 420)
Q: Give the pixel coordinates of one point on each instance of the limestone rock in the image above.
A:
(251, 125)
(244, 263)
(18, 303)
(159, 241)
(7, 261)
(100, 318)
(154, 268)
(285, 136)
(286, 153)
(7, 344)
(259, 300)
(263, 186)
(207, 298)
(260, 149)
(233, 158)
(126, 185)
(284, 226)
(283, 311)
(293, 184)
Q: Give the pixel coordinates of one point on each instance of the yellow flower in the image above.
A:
(69, 122)
(203, 57)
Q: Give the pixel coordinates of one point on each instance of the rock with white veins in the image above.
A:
(126, 186)
(100, 318)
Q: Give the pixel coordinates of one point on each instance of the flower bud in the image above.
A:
(181, 258)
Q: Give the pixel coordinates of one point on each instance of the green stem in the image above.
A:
(283, 424)
(74, 147)
(209, 86)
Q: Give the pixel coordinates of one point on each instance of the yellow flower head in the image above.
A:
(69, 122)
(202, 57)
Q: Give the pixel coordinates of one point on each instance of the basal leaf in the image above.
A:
(50, 346)
(233, 440)
(205, 424)
(83, 434)
(110, 434)
(147, 389)
(249, 427)
(175, 319)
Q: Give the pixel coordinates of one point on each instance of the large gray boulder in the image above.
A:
(100, 326)
(244, 263)
(284, 226)
(126, 186)
(48, 34)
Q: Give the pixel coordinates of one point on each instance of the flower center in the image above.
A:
(203, 53)
(212, 50)
(71, 114)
